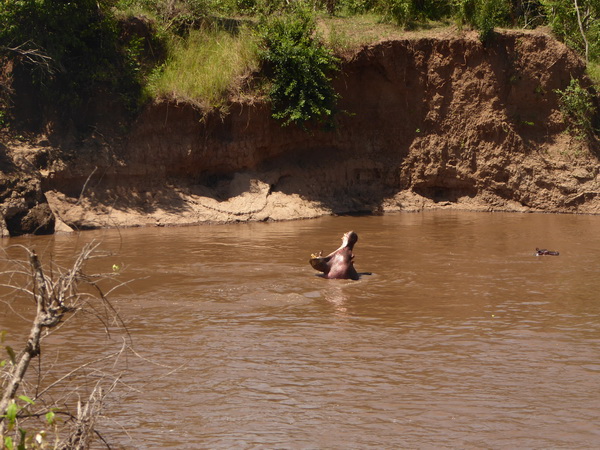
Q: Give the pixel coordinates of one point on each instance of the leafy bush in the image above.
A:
(354, 7)
(408, 13)
(402, 12)
(464, 11)
(299, 64)
(484, 15)
(577, 108)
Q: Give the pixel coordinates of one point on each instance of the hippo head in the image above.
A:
(349, 239)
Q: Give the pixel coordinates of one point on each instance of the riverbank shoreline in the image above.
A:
(429, 123)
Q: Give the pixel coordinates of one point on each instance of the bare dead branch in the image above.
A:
(85, 420)
(79, 369)
(30, 53)
(54, 297)
(85, 186)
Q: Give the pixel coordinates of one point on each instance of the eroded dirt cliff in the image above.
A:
(429, 123)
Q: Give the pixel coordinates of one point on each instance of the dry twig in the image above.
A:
(56, 297)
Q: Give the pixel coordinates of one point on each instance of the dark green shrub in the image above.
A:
(577, 108)
(76, 35)
(484, 15)
(403, 12)
(299, 67)
(490, 14)
(485, 20)
(81, 42)
(527, 13)
(353, 7)
(464, 11)
(433, 9)
(409, 13)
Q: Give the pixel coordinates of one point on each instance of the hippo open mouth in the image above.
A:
(340, 263)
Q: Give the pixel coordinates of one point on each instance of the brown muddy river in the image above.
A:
(460, 338)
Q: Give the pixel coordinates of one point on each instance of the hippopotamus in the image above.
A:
(544, 252)
(338, 264)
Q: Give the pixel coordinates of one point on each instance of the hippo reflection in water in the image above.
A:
(338, 264)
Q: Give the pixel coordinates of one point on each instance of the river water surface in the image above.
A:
(459, 338)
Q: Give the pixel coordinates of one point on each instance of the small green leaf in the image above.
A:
(8, 443)
(26, 399)
(50, 417)
(11, 412)
(11, 353)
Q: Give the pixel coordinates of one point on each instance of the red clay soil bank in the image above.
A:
(428, 123)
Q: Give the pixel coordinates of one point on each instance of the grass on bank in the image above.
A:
(593, 71)
(206, 66)
(347, 34)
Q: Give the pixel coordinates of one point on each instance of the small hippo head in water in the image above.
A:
(544, 252)
(339, 264)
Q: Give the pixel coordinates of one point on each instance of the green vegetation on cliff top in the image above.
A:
(206, 51)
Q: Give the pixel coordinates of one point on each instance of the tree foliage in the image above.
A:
(301, 89)
(576, 23)
(77, 41)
